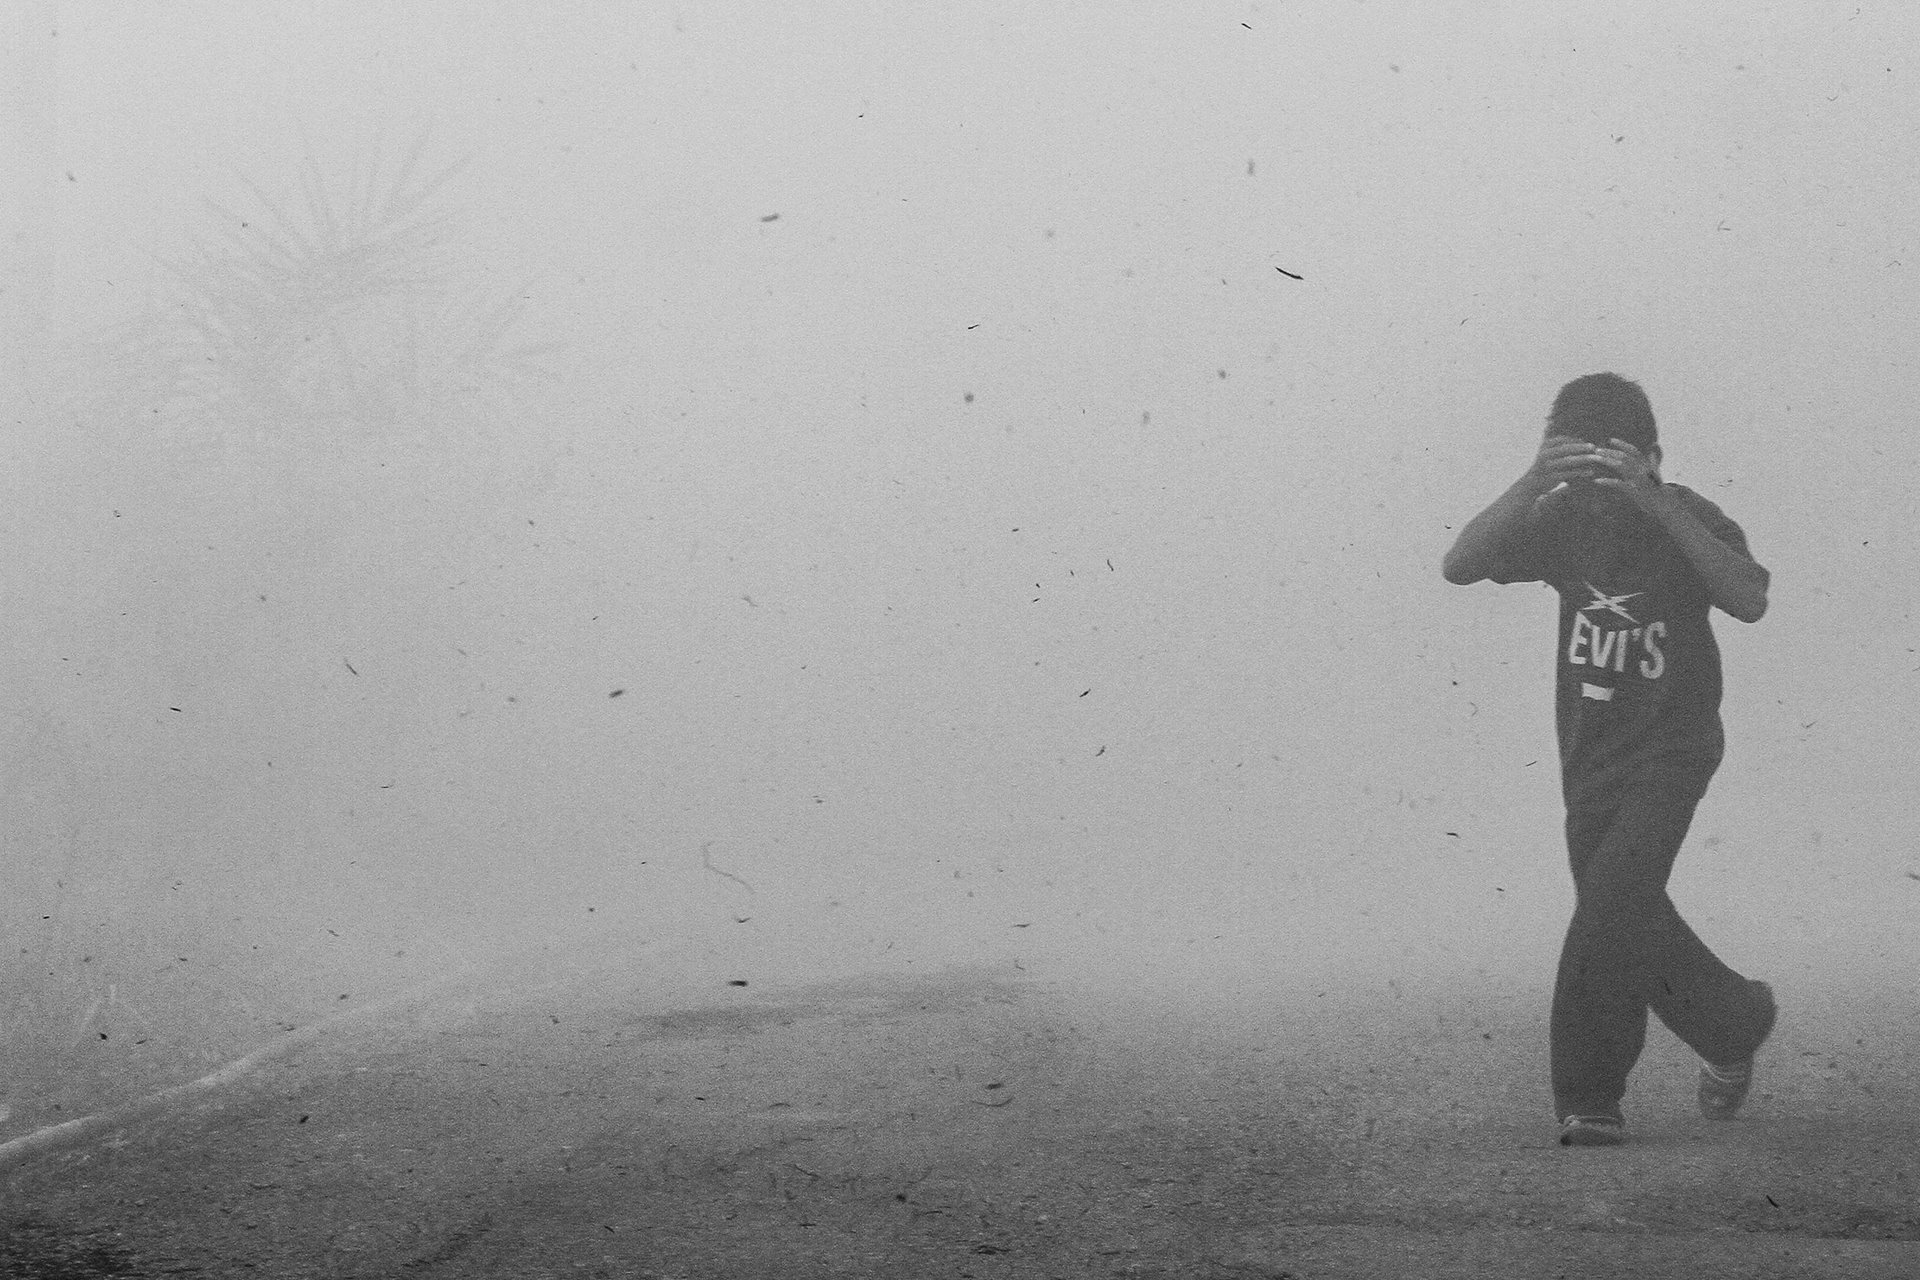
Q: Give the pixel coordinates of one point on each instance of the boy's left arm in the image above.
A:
(1734, 581)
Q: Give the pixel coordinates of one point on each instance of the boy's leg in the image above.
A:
(1598, 1025)
(1627, 949)
(1721, 1015)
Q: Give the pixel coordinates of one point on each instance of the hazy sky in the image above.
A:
(1004, 449)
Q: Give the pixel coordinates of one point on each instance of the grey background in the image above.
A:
(1000, 557)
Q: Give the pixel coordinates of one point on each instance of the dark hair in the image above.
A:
(1601, 406)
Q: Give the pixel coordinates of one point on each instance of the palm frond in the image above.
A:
(333, 303)
(280, 219)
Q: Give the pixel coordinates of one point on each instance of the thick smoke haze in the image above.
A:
(909, 485)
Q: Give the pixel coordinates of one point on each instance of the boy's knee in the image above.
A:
(1604, 897)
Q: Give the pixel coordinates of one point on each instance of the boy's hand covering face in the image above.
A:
(1565, 460)
(1632, 470)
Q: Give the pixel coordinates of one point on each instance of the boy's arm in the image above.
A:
(1477, 550)
(1734, 580)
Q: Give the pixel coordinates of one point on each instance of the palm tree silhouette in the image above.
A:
(334, 310)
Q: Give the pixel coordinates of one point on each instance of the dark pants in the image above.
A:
(1627, 949)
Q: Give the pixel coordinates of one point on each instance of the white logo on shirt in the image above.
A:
(1612, 604)
(1589, 646)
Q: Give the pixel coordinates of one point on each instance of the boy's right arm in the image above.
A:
(1476, 551)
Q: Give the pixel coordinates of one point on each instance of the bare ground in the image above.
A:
(963, 1125)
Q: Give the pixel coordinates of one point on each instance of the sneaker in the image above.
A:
(1592, 1131)
(1724, 1088)
(1724, 1085)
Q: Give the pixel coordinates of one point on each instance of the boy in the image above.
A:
(1637, 564)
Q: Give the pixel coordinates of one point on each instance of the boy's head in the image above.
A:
(1601, 407)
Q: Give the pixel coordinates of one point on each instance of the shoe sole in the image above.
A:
(1582, 1134)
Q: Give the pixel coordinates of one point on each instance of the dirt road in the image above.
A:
(967, 1126)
